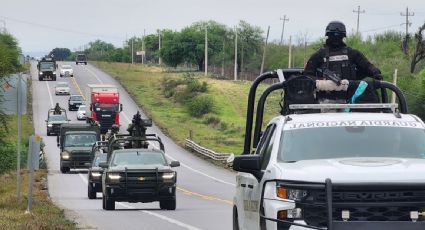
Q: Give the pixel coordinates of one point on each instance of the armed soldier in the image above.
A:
(58, 109)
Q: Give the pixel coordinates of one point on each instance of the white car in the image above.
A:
(81, 113)
(62, 88)
(66, 70)
(317, 169)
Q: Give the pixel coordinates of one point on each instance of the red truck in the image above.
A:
(103, 102)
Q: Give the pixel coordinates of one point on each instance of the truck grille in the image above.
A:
(365, 205)
(106, 120)
(81, 156)
(56, 128)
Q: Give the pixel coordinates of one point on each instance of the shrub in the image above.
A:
(201, 105)
(210, 119)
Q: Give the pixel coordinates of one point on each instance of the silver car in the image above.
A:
(66, 70)
(62, 88)
(81, 113)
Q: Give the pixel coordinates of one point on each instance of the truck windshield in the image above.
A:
(80, 140)
(351, 141)
(47, 66)
(139, 158)
(106, 107)
(98, 159)
(81, 57)
(57, 117)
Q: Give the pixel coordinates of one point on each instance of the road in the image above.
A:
(204, 193)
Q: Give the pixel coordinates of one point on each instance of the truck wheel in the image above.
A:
(109, 203)
(48, 133)
(91, 192)
(235, 218)
(85, 63)
(64, 170)
(54, 78)
(40, 78)
(168, 204)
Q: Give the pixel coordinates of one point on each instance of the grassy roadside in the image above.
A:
(45, 215)
(224, 135)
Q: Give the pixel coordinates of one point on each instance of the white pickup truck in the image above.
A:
(337, 170)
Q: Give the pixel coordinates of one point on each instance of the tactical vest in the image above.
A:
(339, 62)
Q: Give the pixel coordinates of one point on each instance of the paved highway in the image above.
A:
(204, 193)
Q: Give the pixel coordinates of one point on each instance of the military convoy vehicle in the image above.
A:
(47, 69)
(329, 165)
(55, 118)
(137, 169)
(76, 142)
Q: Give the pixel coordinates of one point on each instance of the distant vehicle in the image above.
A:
(66, 70)
(74, 102)
(55, 120)
(81, 58)
(75, 142)
(81, 113)
(94, 175)
(47, 69)
(62, 88)
(103, 105)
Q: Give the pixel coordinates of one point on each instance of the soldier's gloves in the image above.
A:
(328, 85)
(378, 76)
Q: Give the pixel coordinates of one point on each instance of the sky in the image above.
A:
(42, 25)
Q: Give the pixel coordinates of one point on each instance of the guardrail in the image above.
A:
(206, 152)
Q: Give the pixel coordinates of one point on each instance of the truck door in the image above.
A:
(253, 186)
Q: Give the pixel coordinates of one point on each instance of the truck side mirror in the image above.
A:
(174, 164)
(91, 107)
(248, 164)
(120, 107)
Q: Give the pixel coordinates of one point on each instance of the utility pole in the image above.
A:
(222, 67)
(132, 50)
(143, 46)
(290, 52)
(206, 51)
(358, 11)
(159, 46)
(264, 51)
(406, 41)
(3, 30)
(236, 55)
(284, 19)
(18, 155)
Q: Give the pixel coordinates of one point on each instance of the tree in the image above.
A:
(60, 53)
(9, 54)
(172, 48)
(250, 41)
(419, 53)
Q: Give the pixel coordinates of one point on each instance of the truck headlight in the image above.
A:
(49, 125)
(114, 177)
(41, 73)
(290, 194)
(168, 177)
(65, 155)
(96, 174)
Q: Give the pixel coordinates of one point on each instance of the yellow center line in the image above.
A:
(78, 87)
(205, 197)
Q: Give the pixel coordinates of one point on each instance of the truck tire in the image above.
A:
(109, 203)
(91, 193)
(64, 170)
(85, 63)
(54, 78)
(235, 218)
(40, 78)
(168, 204)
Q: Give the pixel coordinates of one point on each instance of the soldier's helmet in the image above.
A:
(336, 28)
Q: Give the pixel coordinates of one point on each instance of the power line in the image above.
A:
(59, 29)
(358, 11)
(382, 28)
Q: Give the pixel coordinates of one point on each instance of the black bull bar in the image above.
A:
(329, 205)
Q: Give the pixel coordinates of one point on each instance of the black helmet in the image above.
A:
(336, 27)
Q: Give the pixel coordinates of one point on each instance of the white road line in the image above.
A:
(199, 172)
(50, 94)
(162, 217)
(170, 220)
(95, 75)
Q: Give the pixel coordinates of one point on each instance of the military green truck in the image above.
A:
(75, 142)
(137, 169)
(47, 69)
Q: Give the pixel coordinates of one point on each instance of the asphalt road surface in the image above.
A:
(204, 191)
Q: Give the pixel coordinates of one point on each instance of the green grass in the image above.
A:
(45, 215)
(230, 97)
